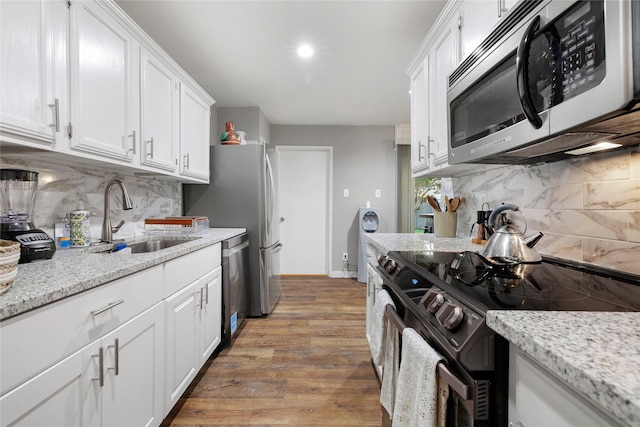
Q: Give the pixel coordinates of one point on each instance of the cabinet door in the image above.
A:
(159, 95)
(133, 372)
(419, 118)
(56, 397)
(211, 313)
(538, 399)
(476, 19)
(195, 119)
(101, 84)
(33, 49)
(443, 58)
(182, 314)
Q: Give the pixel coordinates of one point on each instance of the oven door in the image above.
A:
(468, 401)
(548, 74)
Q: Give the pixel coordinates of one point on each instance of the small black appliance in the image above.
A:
(18, 189)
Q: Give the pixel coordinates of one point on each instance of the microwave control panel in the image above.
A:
(581, 47)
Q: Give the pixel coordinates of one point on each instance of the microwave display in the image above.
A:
(566, 58)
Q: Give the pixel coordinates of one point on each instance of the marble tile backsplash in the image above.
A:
(588, 208)
(62, 189)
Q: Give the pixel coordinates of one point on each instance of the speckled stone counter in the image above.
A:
(77, 269)
(386, 242)
(596, 353)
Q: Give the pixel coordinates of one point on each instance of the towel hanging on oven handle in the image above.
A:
(463, 390)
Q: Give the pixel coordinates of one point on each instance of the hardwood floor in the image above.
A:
(306, 364)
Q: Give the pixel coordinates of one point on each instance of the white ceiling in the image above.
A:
(243, 54)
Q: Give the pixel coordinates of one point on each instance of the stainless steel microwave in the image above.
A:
(552, 79)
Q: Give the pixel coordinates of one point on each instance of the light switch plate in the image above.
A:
(346, 192)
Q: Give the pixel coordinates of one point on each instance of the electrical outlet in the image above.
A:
(345, 257)
(377, 192)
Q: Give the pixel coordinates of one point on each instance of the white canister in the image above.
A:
(80, 229)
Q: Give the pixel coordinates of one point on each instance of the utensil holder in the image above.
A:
(445, 224)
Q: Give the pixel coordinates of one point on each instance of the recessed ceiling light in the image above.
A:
(593, 148)
(305, 51)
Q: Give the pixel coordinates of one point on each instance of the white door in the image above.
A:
(304, 178)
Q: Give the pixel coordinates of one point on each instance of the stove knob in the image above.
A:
(391, 267)
(450, 316)
(382, 260)
(433, 301)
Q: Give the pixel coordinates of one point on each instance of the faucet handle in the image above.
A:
(117, 227)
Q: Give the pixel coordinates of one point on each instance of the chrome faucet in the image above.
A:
(107, 229)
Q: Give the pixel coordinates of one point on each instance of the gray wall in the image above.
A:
(363, 161)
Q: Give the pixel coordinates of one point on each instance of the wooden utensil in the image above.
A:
(434, 204)
(447, 203)
(454, 203)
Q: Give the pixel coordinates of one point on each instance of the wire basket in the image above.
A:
(9, 257)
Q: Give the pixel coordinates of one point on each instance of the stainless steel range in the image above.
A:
(445, 297)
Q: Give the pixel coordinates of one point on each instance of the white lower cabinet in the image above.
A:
(114, 381)
(117, 355)
(374, 284)
(539, 399)
(53, 398)
(194, 331)
(133, 372)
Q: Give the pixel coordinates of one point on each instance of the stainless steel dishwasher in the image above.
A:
(235, 282)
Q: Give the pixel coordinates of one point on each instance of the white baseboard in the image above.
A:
(343, 274)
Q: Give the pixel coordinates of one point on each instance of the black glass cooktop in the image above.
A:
(550, 285)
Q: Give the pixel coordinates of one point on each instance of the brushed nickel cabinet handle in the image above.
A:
(133, 146)
(116, 347)
(56, 115)
(100, 357)
(150, 144)
(108, 307)
(185, 163)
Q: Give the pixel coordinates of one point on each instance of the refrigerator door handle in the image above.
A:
(276, 247)
(272, 194)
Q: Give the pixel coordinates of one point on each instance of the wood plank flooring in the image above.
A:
(306, 364)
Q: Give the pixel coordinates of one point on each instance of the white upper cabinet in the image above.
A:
(419, 117)
(33, 49)
(82, 82)
(477, 17)
(102, 78)
(195, 122)
(443, 59)
(159, 121)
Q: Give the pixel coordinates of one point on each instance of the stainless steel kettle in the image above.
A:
(508, 246)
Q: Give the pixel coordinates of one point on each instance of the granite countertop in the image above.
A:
(386, 242)
(77, 269)
(598, 358)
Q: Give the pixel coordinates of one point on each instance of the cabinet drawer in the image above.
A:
(180, 272)
(35, 340)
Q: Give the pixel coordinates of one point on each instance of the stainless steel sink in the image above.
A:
(152, 245)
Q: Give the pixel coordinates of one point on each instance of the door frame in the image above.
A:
(329, 201)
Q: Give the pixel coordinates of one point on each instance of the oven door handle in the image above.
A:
(463, 390)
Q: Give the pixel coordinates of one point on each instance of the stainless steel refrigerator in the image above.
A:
(242, 193)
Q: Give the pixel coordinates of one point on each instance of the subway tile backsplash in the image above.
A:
(62, 189)
(588, 208)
